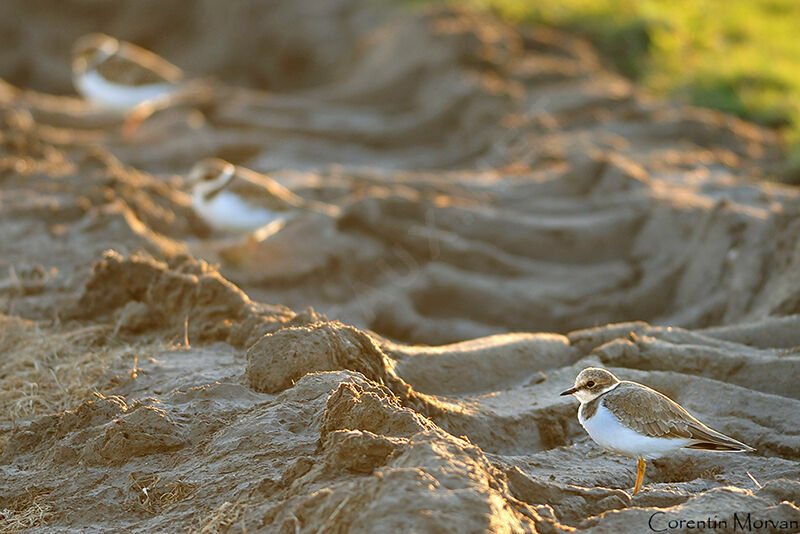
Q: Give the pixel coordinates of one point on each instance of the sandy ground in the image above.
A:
(510, 213)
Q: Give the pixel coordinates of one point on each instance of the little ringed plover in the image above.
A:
(633, 420)
(120, 75)
(237, 200)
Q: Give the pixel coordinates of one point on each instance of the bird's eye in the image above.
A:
(590, 384)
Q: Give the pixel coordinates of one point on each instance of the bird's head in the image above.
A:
(91, 50)
(211, 175)
(592, 382)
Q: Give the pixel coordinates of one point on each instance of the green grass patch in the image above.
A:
(738, 56)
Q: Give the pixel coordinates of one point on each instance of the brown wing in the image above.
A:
(265, 192)
(649, 412)
(132, 65)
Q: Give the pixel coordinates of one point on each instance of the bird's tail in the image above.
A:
(707, 439)
(720, 447)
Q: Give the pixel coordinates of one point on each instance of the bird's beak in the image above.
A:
(570, 391)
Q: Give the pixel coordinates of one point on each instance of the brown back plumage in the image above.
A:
(648, 412)
(128, 64)
(263, 191)
(126, 71)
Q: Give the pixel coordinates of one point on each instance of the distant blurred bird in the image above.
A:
(120, 75)
(239, 200)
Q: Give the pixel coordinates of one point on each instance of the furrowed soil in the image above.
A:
(508, 212)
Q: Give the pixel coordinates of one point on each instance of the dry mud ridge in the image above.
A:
(490, 180)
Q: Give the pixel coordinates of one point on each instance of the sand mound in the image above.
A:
(488, 181)
(277, 360)
(141, 294)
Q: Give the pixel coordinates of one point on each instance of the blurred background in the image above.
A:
(485, 166)
(739, 56)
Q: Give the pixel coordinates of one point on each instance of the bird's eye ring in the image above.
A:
(590, 384)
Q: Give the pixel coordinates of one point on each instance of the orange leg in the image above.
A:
(639, 476)
(136, 118)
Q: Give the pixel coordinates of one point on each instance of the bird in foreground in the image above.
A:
(237, 200)
(120, 75)
(634, 420)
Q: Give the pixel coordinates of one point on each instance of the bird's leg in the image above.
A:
(639, 476)
(136, 118)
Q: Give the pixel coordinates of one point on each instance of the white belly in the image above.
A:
(97, 89)
(609, 433)
(227, 212)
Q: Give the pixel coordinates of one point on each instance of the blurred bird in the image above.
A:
(238, 200)
(120, 75)
(633, 420)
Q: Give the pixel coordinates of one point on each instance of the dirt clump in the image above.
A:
(139, 294)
